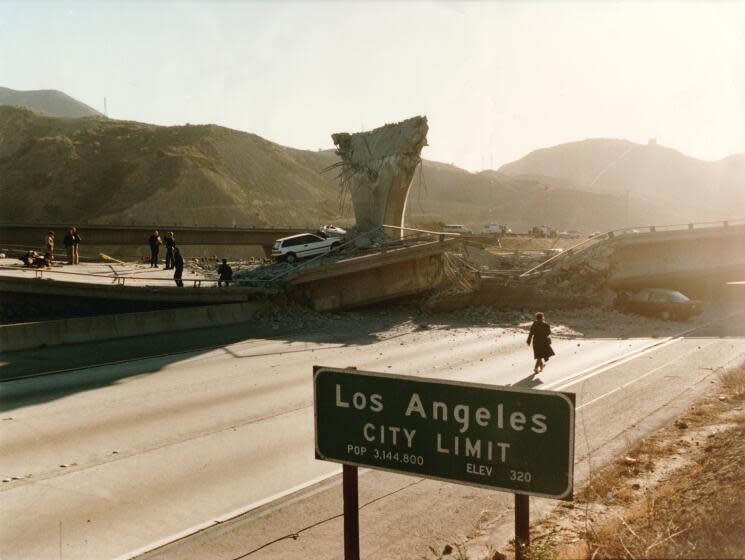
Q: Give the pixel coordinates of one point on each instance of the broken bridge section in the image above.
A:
(377, 168)
(693, 260)
(698, 259)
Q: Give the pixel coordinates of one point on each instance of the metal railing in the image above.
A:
(118, 280)
(632, 231)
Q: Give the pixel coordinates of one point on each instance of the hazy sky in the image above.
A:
(495, 79)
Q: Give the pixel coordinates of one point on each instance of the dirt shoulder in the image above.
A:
(679, 493)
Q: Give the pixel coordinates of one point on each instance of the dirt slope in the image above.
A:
(105, 171)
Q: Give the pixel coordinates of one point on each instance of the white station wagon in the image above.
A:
(303, 245)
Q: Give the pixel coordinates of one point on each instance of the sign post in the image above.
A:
(502, 438)
(522, 525)
(351, 513)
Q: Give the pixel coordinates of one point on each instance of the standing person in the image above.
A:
(50, 245)
(155, 242)
(170, 246)
(178, 264)
(75, 246)
(540, 335)
(225, 272)
(68, 242)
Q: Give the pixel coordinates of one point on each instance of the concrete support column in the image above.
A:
(377, 168)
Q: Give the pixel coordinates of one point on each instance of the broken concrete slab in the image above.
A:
(372, 277)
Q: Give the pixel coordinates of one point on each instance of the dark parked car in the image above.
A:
(657, 302)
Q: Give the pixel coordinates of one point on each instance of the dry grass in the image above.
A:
(733, 382)
(699, 513)
(696, 511)
(611, 484)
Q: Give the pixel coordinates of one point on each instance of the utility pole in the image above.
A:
(105, 108)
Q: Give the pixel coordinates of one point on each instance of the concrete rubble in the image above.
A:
(584, 276)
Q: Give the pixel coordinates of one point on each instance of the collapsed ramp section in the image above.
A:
(377, 168)
(384, 275)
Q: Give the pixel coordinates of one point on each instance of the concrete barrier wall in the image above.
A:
(27, 336)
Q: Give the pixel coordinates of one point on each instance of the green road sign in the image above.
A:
(516, 440)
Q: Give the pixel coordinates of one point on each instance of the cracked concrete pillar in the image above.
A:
(377, 167)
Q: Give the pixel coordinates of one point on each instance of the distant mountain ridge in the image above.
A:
(96, 170)
(650, 173)
(48, 102)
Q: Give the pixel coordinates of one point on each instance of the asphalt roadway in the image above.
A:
(201, 445)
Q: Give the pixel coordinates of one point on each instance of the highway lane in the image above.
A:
(402, 516)
(158, 445)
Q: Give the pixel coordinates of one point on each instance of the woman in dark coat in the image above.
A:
(178, 264)
(540, 333)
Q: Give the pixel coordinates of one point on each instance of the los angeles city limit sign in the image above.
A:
(503, 438)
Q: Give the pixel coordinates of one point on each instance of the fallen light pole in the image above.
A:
(502, 438)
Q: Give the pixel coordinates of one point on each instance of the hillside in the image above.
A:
(99, 170)
(105, 171)
(48, 102)
(476, 199)
(650, 174)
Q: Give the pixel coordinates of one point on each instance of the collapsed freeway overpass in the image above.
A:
(689, 257)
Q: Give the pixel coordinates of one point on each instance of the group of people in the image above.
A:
(71, 242)
(175, 261)
(32, 259)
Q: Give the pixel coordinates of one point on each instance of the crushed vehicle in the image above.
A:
(659, 302)
(303, 245)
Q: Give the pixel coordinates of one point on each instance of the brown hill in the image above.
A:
(48, 102)
(97, 170)
(476, 199)
(105, 171)
(693, 189)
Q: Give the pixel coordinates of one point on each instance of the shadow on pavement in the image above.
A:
(53, 373)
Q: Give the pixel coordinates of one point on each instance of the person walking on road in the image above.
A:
(155, 242)
(225, 272)
(68, 243)
(178, 265)
(76, 246)
(540, 336)
(170, 242)
(50, 245)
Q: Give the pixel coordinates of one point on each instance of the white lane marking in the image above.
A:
(613, 362)
(609, 364)
(597, 369)
(227, 516)
(635, 379)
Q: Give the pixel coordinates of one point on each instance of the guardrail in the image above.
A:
(629, 231)
(39, 274)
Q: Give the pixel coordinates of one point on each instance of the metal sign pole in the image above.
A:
(522, 526)
(351, 513)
